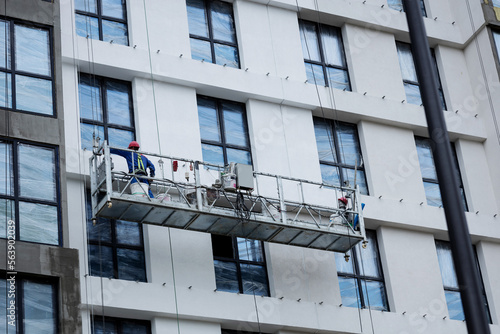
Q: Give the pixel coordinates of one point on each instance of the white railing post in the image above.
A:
(197, 184)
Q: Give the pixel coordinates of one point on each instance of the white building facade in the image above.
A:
(310, 89)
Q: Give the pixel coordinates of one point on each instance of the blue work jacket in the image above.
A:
(133, 162)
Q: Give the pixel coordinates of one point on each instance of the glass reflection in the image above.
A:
(129, 263)
(208, 118)
(6, 169)
(39, 308)
(90, 98)
(222, 21)
(315, 74)
(87, 26)
(197, 18)
(114, 8)
(114, 31)
(89, 6)
(309, 39)
(33, 94)
(226, 276)
(238, 156)
(226, 55)
(118, 103)
(32, 50)
(87, 132)
(38, 223)
(234, 125)
(5, 94)
(213, 154)
(4, 44)
(200, 50)
(119, 138)
(37, 172)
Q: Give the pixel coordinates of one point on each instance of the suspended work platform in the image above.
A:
(239, 202)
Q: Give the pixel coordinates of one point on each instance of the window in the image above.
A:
(223, 129)
(116, 248)
(496, 37)
(29, 191)
(108, 325)
(339, 154)
(409, 73)
(104, 20)
(324, 55)
(361, 279)
(429, 175)
(36, 302)
(26, 69)
(106, 110)
(240, 265)
(398, 5)
(212, 32)
(450, 283)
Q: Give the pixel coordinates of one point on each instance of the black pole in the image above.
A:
(461, 246)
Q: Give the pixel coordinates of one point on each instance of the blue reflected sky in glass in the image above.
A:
(250, 250)
(309, 40)
(234, 124)
(87, 132)
(7, 213)
(39, 308)
(37, 177)
(208, 118)
(349, 292)
(90, 98)
(225, 54)
(330, 175)
(360, 179)
(5, 95)
(367, 258)
(86, 25)
(119, 138)
(343, 266)
(406, 62)
(446, 265)
(114, 31)
(374, 294)
(200, 50)
(238, 156)
(315, 74)
(33, 94)
(332, 46)
(222, 21)
(395, 4)
(254, 279)
(38, 223)
(433, 194)
(212, 154)
(32, 50)
(226, 276)
(131, 265)
(197, 18)
(101, 261)
(350, 152)
(89, 6)
(118, 103)
(324, 140)
(425, 158)
(6, 169)
(413, 94)
(4, 62)
(114, 8)
(128, 233)
(455, 307)
(338, 78)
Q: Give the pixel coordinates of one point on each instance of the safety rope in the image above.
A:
(173, 279)
(152, 78)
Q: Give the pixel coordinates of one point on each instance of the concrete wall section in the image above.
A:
(391, 166)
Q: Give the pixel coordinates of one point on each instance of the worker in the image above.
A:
(137, 164)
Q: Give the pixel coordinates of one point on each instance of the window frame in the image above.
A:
(361, 279)
(119, 322)
(100, 17)
(210, 39)
(16, 198)
(20, 280)
(453, 289)
(222, 129)
(416, 83)
(496, 42)
(113, 244)
(339, 164)
(13, 72)
(103, 94)
(436, 181)
(236, 259)
(323, 62)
